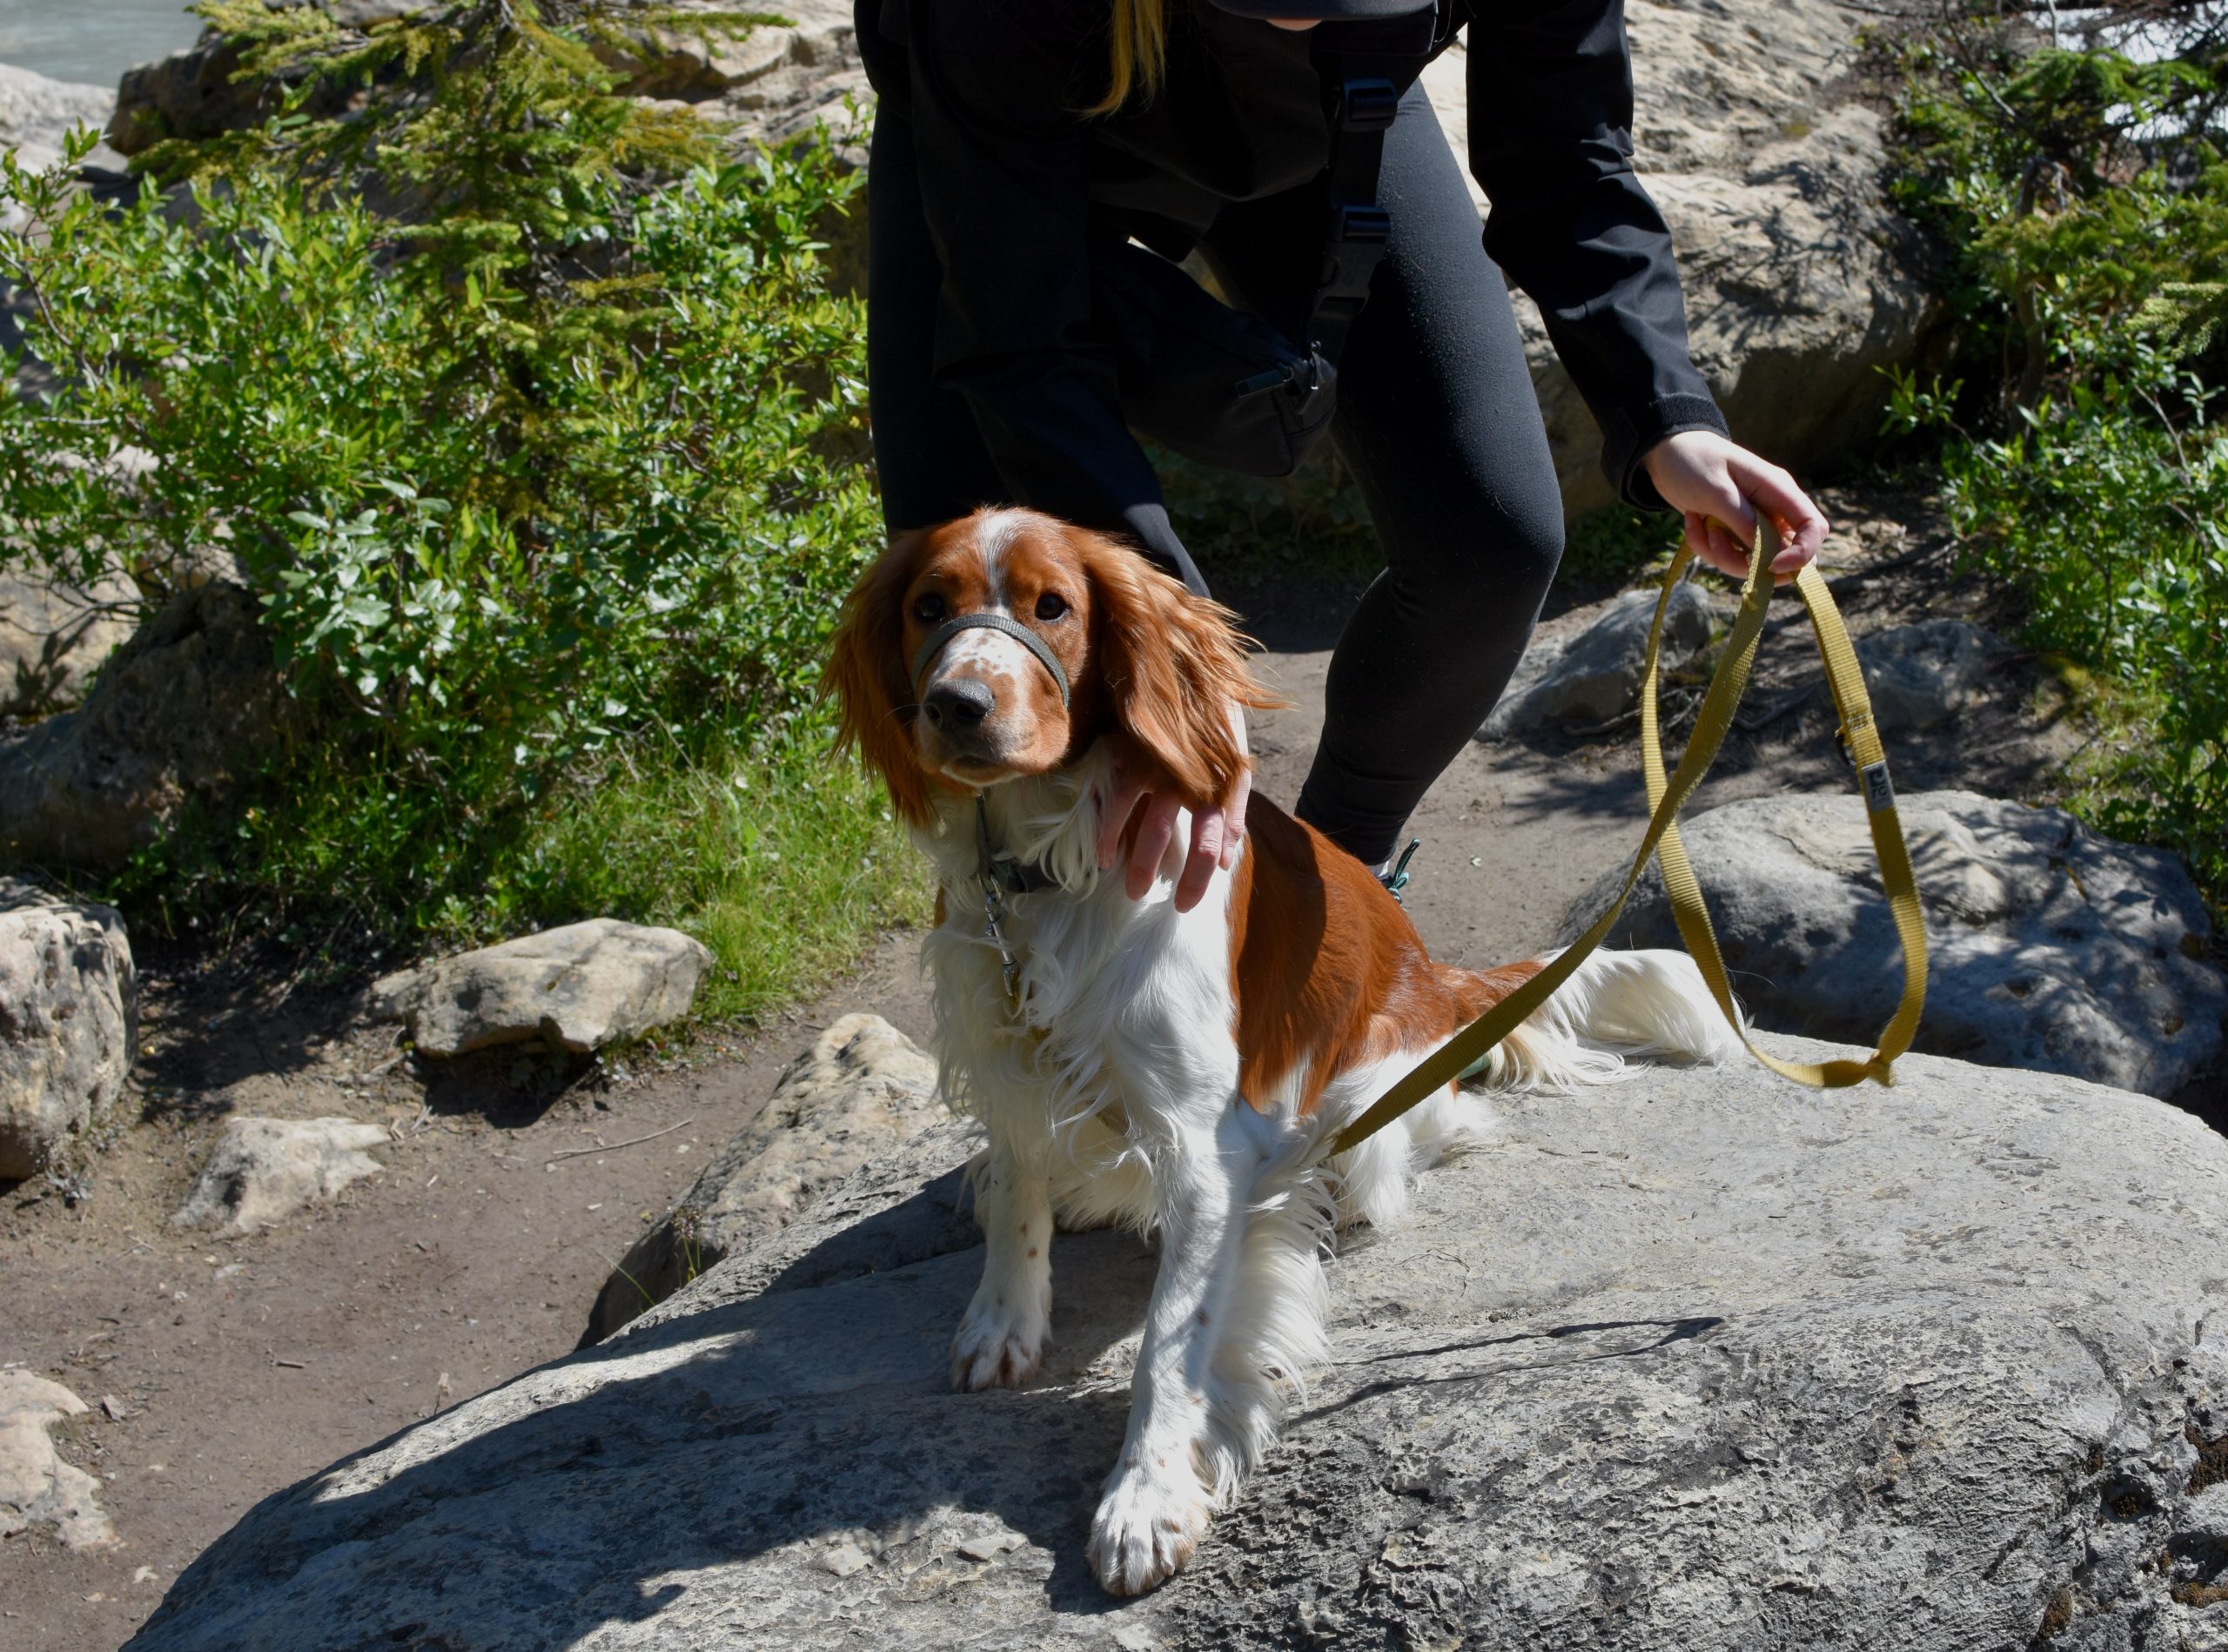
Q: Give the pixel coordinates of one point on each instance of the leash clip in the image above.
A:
(994, 906)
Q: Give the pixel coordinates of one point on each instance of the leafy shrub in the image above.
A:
(2079, 193)
(549, 482)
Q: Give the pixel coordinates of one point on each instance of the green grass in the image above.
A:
(783, 868)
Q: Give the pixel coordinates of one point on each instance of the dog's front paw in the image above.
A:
(1146, 1527)
(996, 1348)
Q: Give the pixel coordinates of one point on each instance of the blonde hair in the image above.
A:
(1137, 54)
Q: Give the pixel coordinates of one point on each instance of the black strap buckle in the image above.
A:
(1370, 225)
(1365, 105)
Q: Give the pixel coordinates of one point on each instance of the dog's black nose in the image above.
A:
(959, 704)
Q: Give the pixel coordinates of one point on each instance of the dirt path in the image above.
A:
(238, 1366)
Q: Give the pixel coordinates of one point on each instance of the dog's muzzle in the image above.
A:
(986, 621)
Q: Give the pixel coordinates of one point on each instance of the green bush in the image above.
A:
(549, 484)
(2079, 195)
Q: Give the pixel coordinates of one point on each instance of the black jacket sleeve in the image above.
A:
(992, 89)
(1551, 110)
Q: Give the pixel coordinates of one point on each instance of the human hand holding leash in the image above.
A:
(1216, 833)
(1718, 487)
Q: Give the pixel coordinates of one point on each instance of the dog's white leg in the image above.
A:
(1156, 1503)
(1001, 1339)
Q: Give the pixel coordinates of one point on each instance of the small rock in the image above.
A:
(2049, 946)
(862, 1089)
(844, 1561)
(576, 989)
(1921, 674)
(114, 1408)
(69, 1013)
(37, 1487)
(264, 1169)
(1594, 675)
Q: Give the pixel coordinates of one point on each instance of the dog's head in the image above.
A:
(1006, 643)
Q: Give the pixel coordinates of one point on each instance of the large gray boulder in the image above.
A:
(1702, 1360)
(861, 1092)
(575, 989)
(69, 1019)
(182, 714)
(2050, 947)
(1574, 677)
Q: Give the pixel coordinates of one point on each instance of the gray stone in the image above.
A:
(69, 1019)
(38, 1491)
(1922, 675)
(53, 638)
(1582, 677)
(1699, 1360)
(263, 1169)
(575, 989)
(2049, 946)
(860, 1091)
(182, 714)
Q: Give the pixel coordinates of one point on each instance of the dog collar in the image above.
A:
(1009, 876)
(988, 621)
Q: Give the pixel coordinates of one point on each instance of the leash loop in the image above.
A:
(1667, 794)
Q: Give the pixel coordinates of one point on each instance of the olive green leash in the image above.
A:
(1469, 1048)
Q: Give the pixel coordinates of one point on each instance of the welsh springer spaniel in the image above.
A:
(1175, 1071)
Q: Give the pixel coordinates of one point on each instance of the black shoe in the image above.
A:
(1396, 879)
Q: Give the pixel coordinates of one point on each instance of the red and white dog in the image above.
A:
(1172, 1069)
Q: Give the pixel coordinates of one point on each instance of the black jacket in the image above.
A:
(1015, 182)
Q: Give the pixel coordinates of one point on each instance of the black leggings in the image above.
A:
(1436, 421)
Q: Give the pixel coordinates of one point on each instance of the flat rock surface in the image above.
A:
(576, 989)
(2049, 945)
(264, 1169)
(38, 1490)
(860, 1091)
(1699, 1360)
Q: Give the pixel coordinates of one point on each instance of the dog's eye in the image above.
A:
(1051, 606)
(929, 609)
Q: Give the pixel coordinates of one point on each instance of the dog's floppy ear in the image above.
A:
(867, 674)
(1173, 663)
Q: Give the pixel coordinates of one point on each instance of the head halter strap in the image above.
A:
(988, 621)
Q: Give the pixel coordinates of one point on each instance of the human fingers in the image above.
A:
(1155, 829)
(1209, 828)
(1125, 788)
(1714, 547)
(1802, 526)
(1234, 828)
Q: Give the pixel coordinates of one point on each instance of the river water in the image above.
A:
(94, 41)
